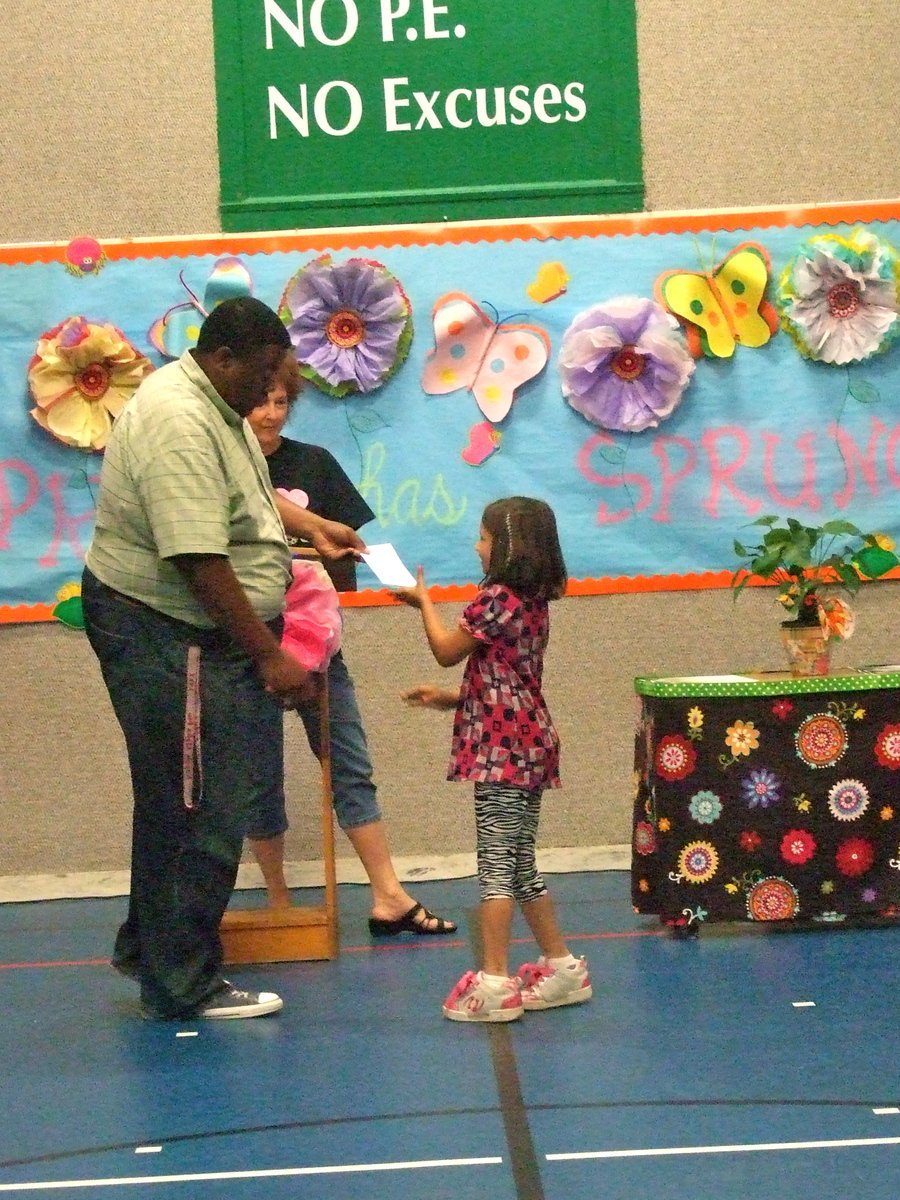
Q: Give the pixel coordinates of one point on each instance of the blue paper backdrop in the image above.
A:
(754, 434)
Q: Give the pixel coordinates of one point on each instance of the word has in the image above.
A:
(411, 502)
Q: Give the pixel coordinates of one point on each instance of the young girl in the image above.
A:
(504, 740)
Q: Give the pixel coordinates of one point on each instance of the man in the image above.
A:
(183, 592)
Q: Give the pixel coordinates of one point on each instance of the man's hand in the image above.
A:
(212, 580)
(334, 540)
(288, 682)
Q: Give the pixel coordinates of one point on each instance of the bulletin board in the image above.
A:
(685, 430)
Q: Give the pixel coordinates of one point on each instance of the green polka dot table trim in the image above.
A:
(774, 683)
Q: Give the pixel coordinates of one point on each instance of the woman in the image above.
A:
(300, 466)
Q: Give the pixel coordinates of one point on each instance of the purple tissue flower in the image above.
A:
(350, 323)
(624, 364)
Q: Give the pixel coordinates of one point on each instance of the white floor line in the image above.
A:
(661, 1152)
(78, 884)
(358, 1168)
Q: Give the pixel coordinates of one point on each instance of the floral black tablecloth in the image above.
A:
(767, 799)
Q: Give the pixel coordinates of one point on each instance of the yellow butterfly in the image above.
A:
(724, 306)
(549, 284)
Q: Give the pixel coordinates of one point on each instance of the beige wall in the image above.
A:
(109, 122)
(109, 129)
(64, 796)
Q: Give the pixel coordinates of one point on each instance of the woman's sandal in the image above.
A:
(379, 927)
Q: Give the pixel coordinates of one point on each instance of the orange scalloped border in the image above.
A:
(462, 232)
(460, 593)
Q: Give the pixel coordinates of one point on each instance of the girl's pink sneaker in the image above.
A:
(477, 999)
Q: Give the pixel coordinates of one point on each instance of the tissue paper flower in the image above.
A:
(81, 377)
(350, 322)
(840, 297)
(84, 256)
(836, 618)
(624, 364)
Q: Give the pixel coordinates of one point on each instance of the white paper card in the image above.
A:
(386, 564)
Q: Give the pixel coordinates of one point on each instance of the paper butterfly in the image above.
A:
(725, 306)
(484, 440)
(178, 329)
(487, 357)
(550, 283)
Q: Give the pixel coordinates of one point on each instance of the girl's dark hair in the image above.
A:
(525, 553)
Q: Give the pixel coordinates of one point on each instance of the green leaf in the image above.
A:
(837, 527)
(367, 422)
(766, 563)
(863, 391)
(847, 576)
(70, 612)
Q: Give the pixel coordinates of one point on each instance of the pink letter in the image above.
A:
(670, 478)
(65, 526)
(890, 452)
(604, 516)
(806, 497)
(8, 510)
(849, 452)
(721, 476)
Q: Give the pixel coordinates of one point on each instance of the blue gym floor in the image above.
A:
(746, 1063)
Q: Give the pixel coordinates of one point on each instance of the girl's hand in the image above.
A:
(429, 695)
(414, 597)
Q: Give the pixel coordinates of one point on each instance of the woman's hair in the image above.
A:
(288, 375)
(525, 551)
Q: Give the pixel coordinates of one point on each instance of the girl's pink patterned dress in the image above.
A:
(502, 730)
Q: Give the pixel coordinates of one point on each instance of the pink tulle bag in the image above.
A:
(312, 616)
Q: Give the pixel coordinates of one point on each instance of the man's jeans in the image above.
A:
(192, 800)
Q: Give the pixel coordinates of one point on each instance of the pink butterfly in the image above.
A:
(484, 440)
(488, 358)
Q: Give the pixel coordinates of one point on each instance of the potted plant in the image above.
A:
(810, 563)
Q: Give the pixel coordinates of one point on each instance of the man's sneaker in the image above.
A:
(126, 969)
(229, 1003)
(476, 999)
(544, 987)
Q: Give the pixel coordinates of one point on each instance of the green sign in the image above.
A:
(362, 112)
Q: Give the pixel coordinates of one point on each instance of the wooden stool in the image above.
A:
(251, 935)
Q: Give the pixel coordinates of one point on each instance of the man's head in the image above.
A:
(240, 348)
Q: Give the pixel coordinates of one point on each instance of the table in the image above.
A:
(767, 798)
